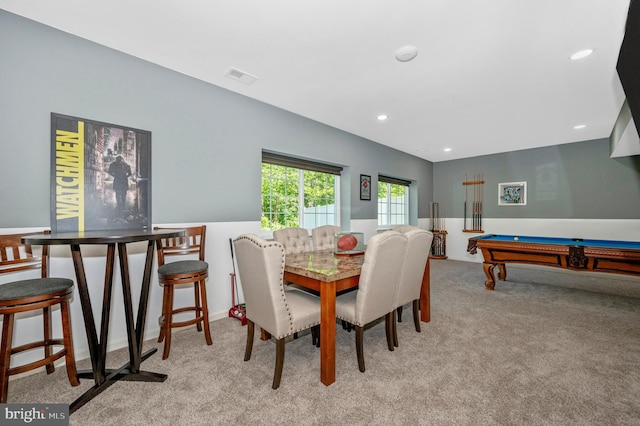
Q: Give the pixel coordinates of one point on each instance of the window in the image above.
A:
(393, 202)
(298, 193)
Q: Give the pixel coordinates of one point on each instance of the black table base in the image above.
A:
(112, 376)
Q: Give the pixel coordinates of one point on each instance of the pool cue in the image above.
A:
(432, 219)
(475, 206)
(465, 202)
(477, 203)
(480, 203)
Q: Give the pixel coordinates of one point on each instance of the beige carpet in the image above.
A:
(546, 347)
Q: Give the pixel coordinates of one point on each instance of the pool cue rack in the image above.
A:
(436, 226)
(477, 185)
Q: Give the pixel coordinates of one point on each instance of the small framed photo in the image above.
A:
(365, 187)
(512, 194)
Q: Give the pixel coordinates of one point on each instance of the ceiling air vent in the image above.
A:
(242, 76)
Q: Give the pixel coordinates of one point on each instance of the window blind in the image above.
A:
(299, 163)
(392, 180)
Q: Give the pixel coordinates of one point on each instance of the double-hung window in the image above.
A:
(393, 202)
(298, 193)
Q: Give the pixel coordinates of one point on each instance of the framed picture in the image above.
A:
(100, 176)
(365, 187)
(512, 194)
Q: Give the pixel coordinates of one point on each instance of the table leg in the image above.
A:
(131, 371)
(134, 354)
(490, 284)
(144, 295)
(87, 312)
(328, 333)
(502, 271)
(425, 294)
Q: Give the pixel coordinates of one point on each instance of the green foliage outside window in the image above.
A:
(284, 204)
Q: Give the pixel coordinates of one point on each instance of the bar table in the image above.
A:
(113, 239)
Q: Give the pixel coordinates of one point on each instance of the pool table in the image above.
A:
(620, 257)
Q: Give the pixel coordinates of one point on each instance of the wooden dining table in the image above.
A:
(329, 273)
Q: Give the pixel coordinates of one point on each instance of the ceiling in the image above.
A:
(490, 76)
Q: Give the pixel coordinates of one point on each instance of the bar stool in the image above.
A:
(29, 295)
(182, 272)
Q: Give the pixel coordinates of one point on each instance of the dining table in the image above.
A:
(115, 240)
(329, 272)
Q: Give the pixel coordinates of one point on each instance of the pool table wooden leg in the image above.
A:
(502, 272)
(490, 284)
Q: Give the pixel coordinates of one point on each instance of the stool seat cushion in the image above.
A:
(33, 287)
(183, 267)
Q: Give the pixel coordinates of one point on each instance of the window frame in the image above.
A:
(302, 165)
(388, 204)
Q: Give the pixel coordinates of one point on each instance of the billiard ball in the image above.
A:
(515, 238)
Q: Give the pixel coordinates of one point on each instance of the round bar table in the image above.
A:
(102, 376)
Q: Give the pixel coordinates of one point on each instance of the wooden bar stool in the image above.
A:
(182, 272)
(28, 295)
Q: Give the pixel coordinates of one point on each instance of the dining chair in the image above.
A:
(418, 248)
(294, 240)
(377, 288)
(33, 294)
(190, 268)
(324, 236)
(280, 313)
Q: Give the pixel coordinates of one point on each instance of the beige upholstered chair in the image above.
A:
(418, 248)
(294, 240)
(41, 294)
(280, 313)
(178, 273)
(377, 288)
(324, 237)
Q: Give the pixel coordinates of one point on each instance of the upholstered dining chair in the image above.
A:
(42, 293)
(294, 240)
(377, 288)
(189, 269)
(418, 248)
(324, 236)
(280, 313)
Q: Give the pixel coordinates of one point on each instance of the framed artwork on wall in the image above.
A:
(512, 194)
(100, 176)
(365, 187)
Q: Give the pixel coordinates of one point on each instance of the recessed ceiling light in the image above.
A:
(406, 53)
(581, 54)
(382, 117)
(579, 126)
(447, 150)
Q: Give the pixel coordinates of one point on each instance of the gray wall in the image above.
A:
(572, 181)
(206, 141)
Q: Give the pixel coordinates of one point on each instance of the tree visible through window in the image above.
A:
(296, 197)
(393, 202)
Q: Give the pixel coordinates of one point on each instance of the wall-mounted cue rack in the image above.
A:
(439, 244)
(477, 185)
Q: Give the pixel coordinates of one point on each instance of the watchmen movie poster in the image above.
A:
(100, 176)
